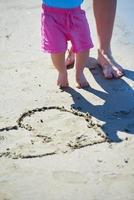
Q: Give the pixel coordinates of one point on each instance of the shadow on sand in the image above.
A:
(118, 109)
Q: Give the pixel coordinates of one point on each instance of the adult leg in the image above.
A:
(104, 12)
(81, 59)
(59, 63)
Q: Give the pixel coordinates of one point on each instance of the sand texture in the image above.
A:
(63, 144)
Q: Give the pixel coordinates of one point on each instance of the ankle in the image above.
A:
(79, 71)
(104, 52)
(62, 71)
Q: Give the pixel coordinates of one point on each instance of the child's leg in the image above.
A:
(58, 60)
(81, 60)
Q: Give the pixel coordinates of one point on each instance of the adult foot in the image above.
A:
(69, 62)
(81, 81)
(110, 68)
(62, 81)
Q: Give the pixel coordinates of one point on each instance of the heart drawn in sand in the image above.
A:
(53, 130)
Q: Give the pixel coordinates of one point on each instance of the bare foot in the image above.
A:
(81, 81)
(69, 62)
(110, 68)
(62, 81)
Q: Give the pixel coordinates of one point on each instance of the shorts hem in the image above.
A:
(53, 51)
(83, 49)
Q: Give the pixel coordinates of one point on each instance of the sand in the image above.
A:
(63, 145)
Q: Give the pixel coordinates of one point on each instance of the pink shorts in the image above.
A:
(61, 25)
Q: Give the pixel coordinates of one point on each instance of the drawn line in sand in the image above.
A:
(77, 142)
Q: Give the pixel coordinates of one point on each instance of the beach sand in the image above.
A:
(63, 145)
